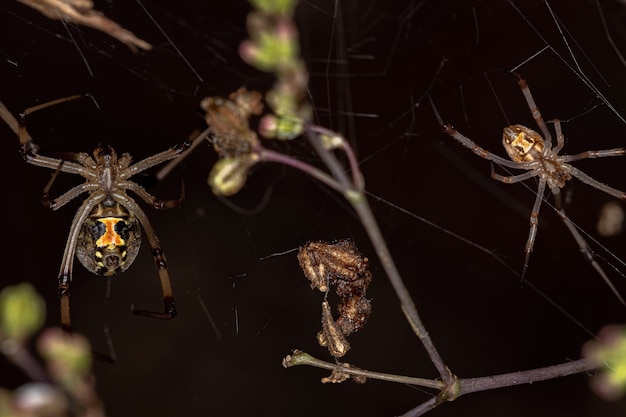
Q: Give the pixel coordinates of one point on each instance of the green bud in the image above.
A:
(229, 175)
(272, 47)
(276, 7)
(333, 141)
(281, 127)
(22, 312)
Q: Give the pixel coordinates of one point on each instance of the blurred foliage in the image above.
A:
(610, 352)
(62, 383)
(22, 313)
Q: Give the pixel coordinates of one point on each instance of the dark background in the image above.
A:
(371, 65)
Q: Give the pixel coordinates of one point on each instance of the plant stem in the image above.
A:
(269, 155)
(303, 358)
(470, 385)
(20, 356)
(357, 198)
(465, 386)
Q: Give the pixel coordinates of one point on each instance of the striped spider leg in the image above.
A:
(528, 150)
(105, 234)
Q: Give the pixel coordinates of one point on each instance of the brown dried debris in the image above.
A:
(342, 266)
(339, 264)
(338, 376)
(228, 121)
(81, 12)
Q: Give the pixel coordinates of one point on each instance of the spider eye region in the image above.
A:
(522, 144)
(108, 245)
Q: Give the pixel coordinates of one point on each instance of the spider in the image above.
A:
(534, 153)
(105, 234)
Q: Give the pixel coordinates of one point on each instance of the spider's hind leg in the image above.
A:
(169, 306)
(588, 253)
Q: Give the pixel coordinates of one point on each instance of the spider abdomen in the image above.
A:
(109, 240)
(522, 144)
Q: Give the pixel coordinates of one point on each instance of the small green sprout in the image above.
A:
(22, 313)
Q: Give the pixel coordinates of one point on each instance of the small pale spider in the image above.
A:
(530, 151)
(105, 234)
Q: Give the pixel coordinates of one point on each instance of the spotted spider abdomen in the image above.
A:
(109, 240)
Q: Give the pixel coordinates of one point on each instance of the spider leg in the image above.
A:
(514, 178)
(595, 154)
(159, 259)
(468, 143)
(196, 138)
(534, 223)
(588, 254)
(29, 150)
(153, 160)
(45, 198)
(150, 199)
(560, 139)
(25, 138)
(596, 184)
(65, 273)
(11, 121)
(68, 195)
(547, 137)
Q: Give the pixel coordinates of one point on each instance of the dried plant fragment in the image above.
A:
(338, 263)
(331, 335)
(236, 144)
(338, 376)
(81, 12)
(228, 122)
(342, 266)
(353, 314)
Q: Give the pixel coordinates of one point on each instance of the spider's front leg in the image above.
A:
(55, 204)
(152, 200)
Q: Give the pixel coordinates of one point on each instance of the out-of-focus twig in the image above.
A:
(82, 12)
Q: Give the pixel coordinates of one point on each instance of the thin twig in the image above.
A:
(303, 358)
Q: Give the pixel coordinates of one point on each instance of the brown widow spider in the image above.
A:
(105, 234)
(530, 151)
